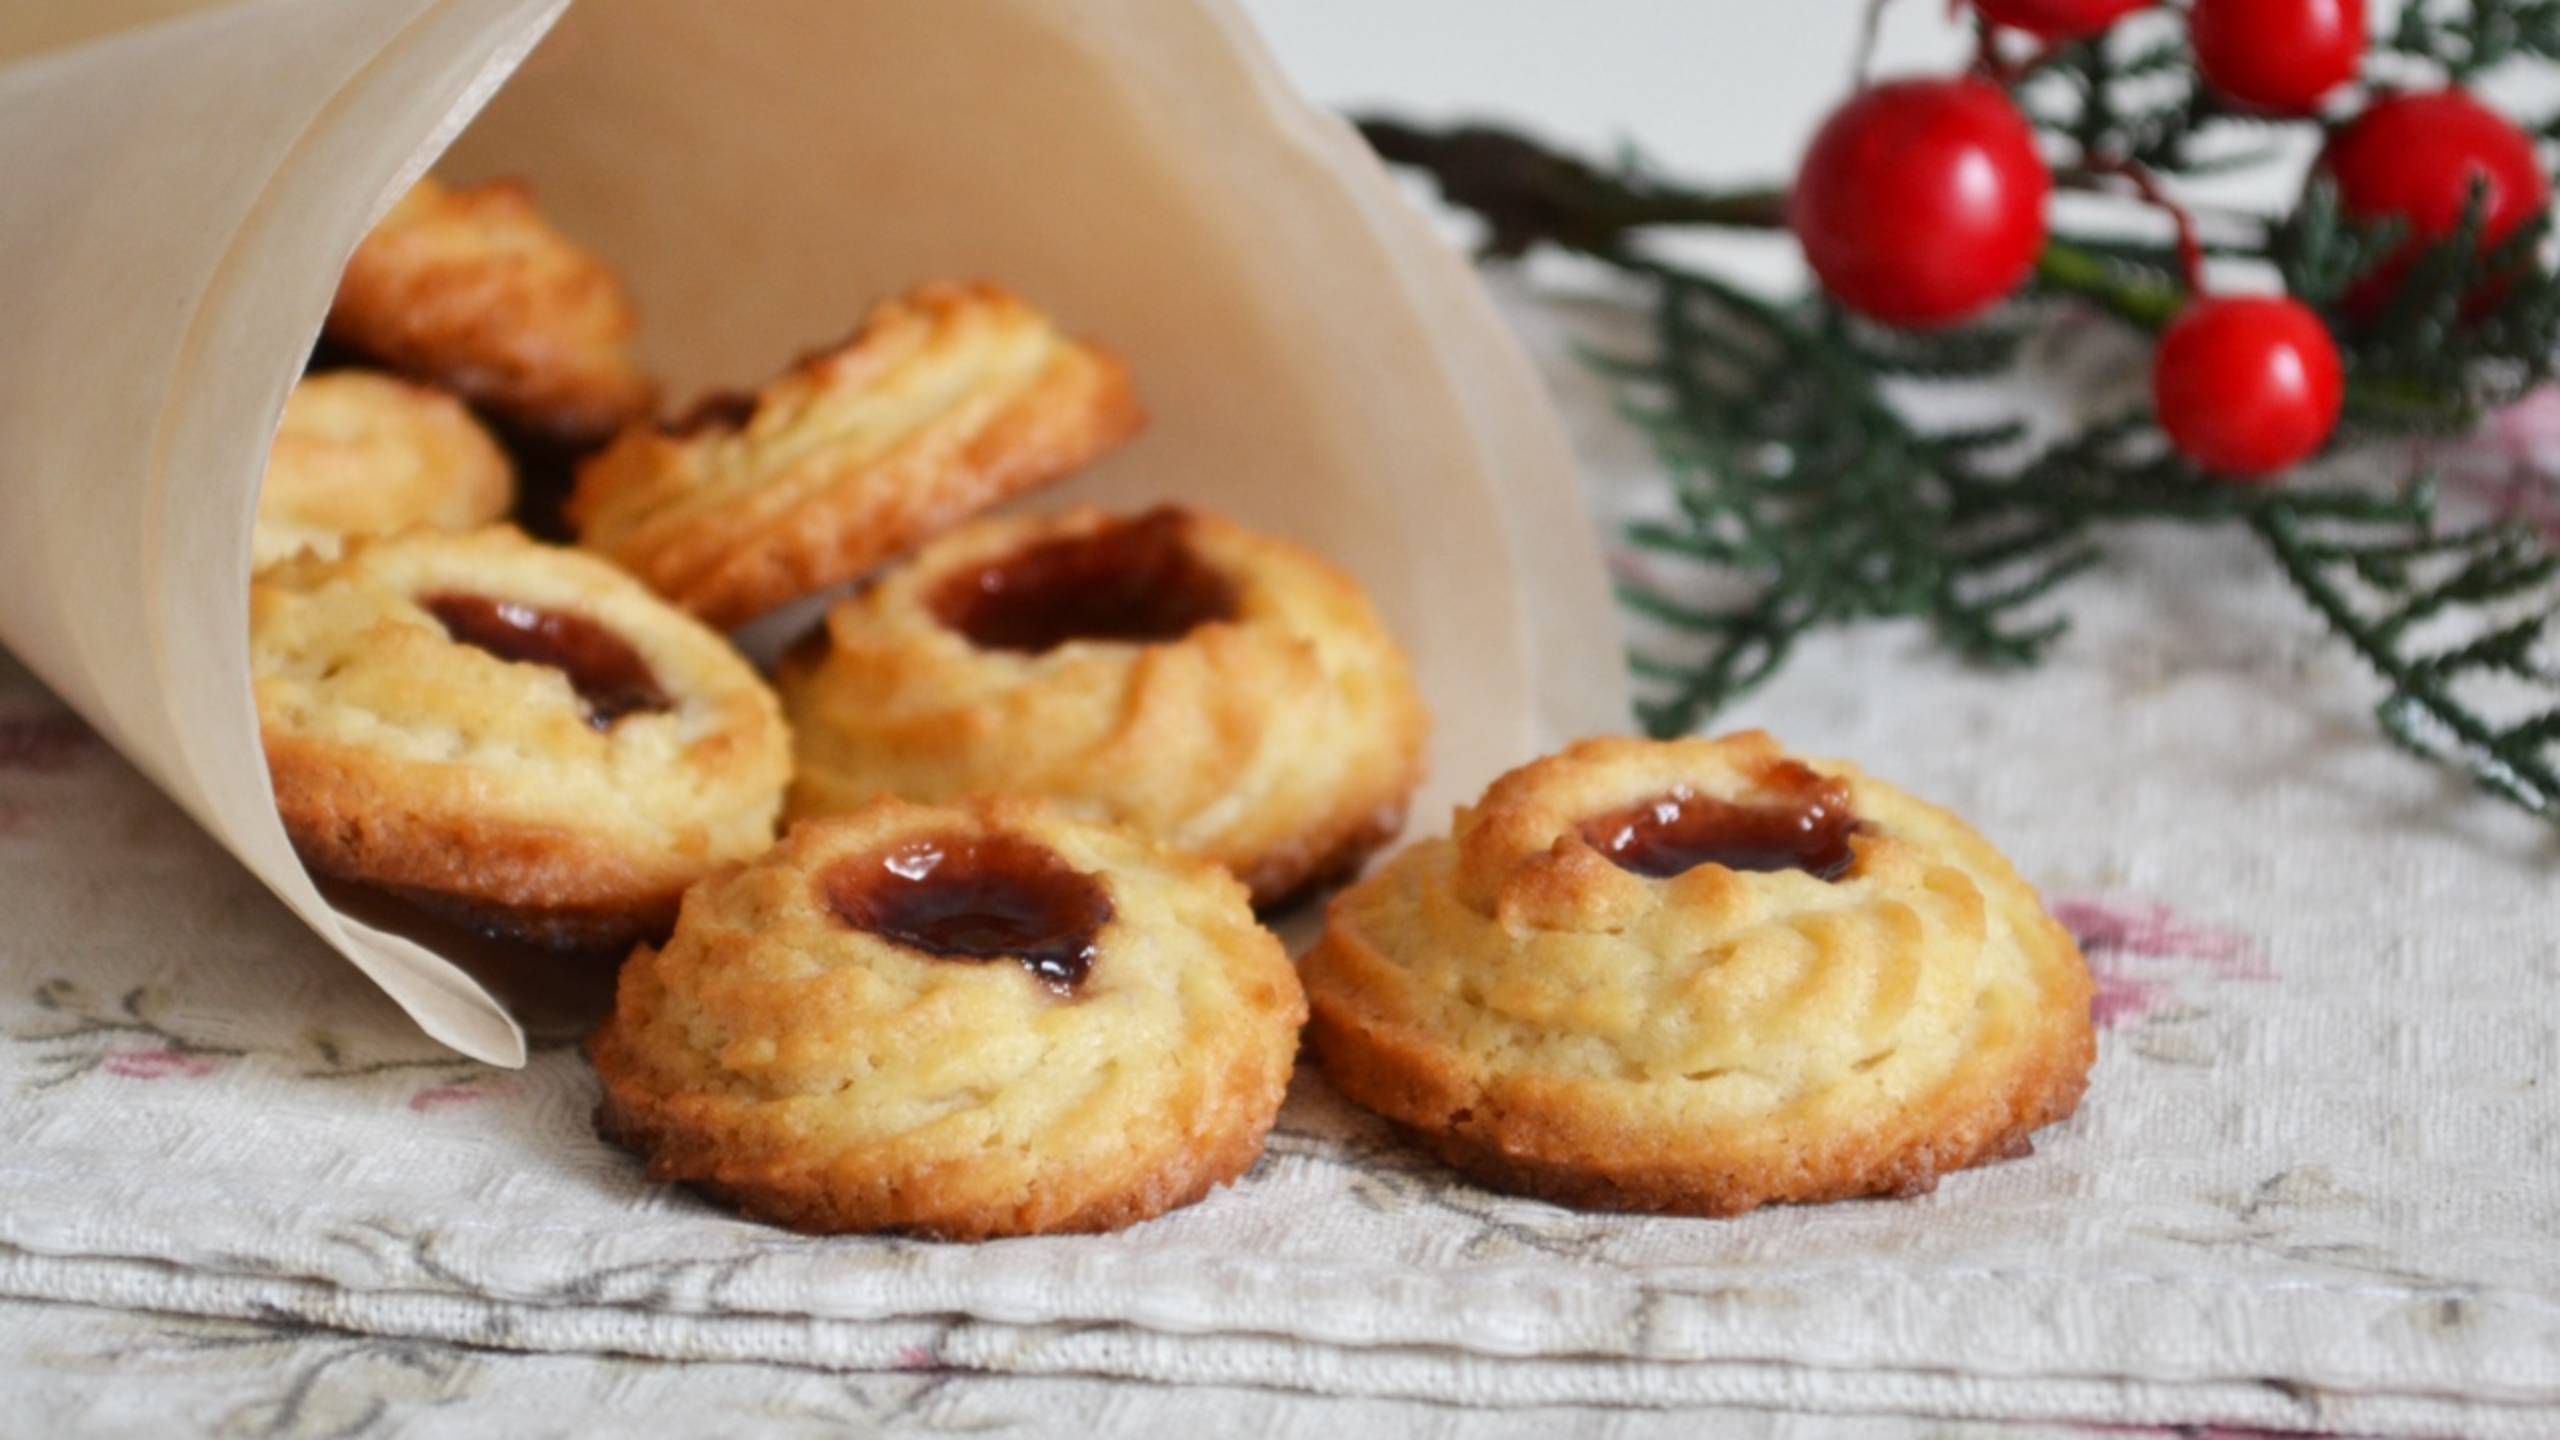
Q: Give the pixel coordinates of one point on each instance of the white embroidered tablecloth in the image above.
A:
(2315, 1185)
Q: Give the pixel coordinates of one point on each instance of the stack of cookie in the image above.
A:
(1003, 971)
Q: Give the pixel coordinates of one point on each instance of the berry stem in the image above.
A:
(2147, 185)
(2112, 287)
(1870, 29)
(2002, 71)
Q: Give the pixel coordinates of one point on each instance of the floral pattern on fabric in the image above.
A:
(2309, 1191)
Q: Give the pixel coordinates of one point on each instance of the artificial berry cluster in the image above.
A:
(1922, 202)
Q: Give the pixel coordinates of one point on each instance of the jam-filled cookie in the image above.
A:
(1699, 976)
(969, 1021)
(519, 737)
(1225, 691)
(944, 402)
(361, 453)
(471, 290)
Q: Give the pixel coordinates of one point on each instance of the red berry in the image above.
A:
(1922, 201)
(2416, 157)
(2279, 55)
(2247, 385)
(2058, 19)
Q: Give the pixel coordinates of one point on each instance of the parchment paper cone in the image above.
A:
(181, 197)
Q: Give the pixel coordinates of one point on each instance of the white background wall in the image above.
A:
(1722, 88)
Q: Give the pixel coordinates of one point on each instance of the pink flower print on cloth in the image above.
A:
(2156, 972)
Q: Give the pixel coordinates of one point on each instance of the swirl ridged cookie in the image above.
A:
(360, 453)
(1224, 691)
(943, 403)
(962, 1022)
(1699, 976)
(470, 290)
(520, 737)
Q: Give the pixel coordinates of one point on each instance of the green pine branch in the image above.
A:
(2465, 38)
(1803, 498)
(1794, 475)
(2472, 571)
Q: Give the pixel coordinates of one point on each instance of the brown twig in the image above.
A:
(2147, 185)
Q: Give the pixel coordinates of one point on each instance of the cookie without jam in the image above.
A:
(471, 290)
(1699, 976)
(946, 401)
(1224, 691)
(513, 735)
(361, 453)
(968, 1021)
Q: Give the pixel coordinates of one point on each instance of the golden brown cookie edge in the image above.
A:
(1079, 411)
(679, 1154)
(536, 884)
(1541, 1146)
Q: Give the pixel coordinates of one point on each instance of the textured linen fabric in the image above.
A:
(2315, 1184)
(88, 1371)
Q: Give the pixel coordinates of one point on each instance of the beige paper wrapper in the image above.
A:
(181, 197)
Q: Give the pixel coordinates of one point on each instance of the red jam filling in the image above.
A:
(976, 899)
(610, 677)
(1805, 824)
(1136, 581)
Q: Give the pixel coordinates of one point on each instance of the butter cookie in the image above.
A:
(471, 290)
(944, 402)
(1224, 691)
(1699, 976)
(519, 737)
(990, 1019)
(362, 453)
